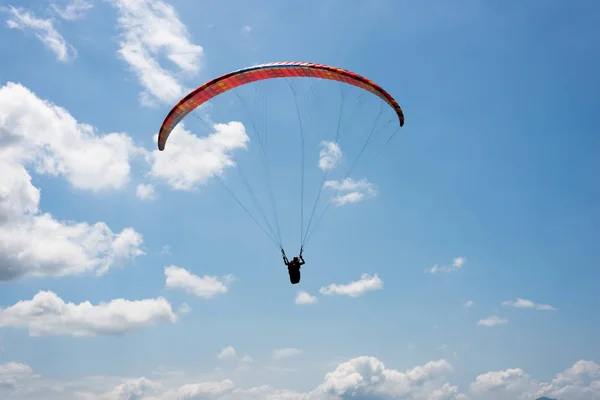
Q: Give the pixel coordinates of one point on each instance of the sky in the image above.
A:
(458, 260)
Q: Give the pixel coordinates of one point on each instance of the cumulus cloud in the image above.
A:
(305, 298)
(44, 30)
(33, 244)
(38, 132)
(492, 321)
(524, 303)
(367, 377)
(151, 29)
(329, 156)
(358, 378)
(350, 191)
(366, 284)
(11, 373)
(230, 353)
(48, 314)
(509, 383)
(39, 135)
(145, 191)
(579, 382)
(457, 264)
(189, 160)
(287, 352)
(73, 10)
(205, 286)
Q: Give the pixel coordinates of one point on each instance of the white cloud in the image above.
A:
(355, 191)
(227, 352)
(492, 321)
(305, 298)
(12, 373)
(362, 377)
(189, 160)
(524, 303)
(287, 352)
(469, 304)
(366, 284)
(125, 245)
(579, 382)
(47, 136)
(508, 384)
(48, 314)
(329, 156)
(44, 30)
(165, 250)
(38, 134)
(34, 244)
(145, 191)
(368, 378)
(246, 359)
(205, 286)
(73, 10)
(150, 29)
(457, 264)
(246, 29)
(230, 353)
(184, 308)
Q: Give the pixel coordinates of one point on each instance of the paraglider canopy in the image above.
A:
(286, 69)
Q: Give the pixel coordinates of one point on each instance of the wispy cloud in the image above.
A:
(44, 30)
(366, 284)
(73, 10)
(287, 352)
(457, 264)
(246, 359)
(492, 321)
(152, 28)
(350, 191)
(166, 250)
(329, 156)
(468, 304)
(184, 308)
(524, 303)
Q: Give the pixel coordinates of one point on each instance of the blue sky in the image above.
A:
(468, 269)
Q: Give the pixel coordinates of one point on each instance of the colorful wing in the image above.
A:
(267, 71)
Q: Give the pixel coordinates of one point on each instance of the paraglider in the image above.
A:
(293, 267)
(232, 80)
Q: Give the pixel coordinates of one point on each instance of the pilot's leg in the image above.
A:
(294, 275)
